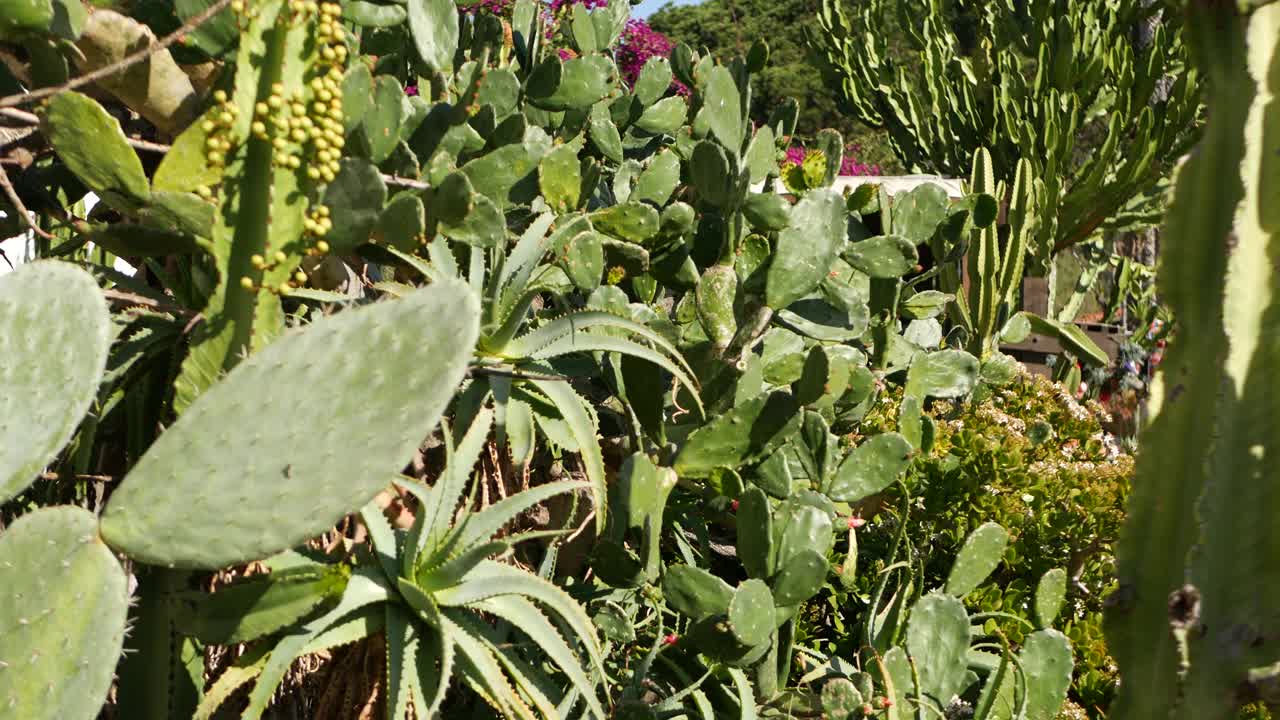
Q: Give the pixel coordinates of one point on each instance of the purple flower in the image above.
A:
(501, 8)
(410, 89)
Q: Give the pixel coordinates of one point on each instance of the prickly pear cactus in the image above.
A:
(271, 453)
(63, 603)
(54, 344)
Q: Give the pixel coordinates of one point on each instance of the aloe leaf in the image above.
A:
(481, 670)
(574, 411)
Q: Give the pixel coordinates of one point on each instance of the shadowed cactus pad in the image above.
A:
(63, 603)
(268, 457)
(54, 345)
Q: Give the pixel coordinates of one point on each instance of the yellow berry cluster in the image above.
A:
(317, 224)
(261, 263)
(219, 132)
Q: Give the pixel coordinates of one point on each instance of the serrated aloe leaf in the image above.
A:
(582, 429)
(1050, 592)
(433, 24)
(981, 553)
(695, 592)
(1071, 337)
(583, 81)
(183, 489)
(938, 642)
(1046, 662)
(62, 616)
(871, 467)
(748, 432)
(46, 308)
(526, 616)
(107, 164)
(807, 249)
(260, 605)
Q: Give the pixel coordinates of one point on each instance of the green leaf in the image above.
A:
(938, 642)
(560, 177)
(722, 108)
(209, 466)
(63, 611)
(1050, 593)
(981, 553)
(1046, 663)
(259, 605)
(871, 467)
(583, 81)
(659, 180)
(382, 119)
(186, 166)
(664, 117)
(368, 14)
(104, 164)
(942, 374)
(26, 16)
(355, 199)
(46, 307)
(886, 257)
(751, 613)
(696, 593)
(1072, 338)
(748, 432)
(653, 81)
(433, 25)
(807, 249)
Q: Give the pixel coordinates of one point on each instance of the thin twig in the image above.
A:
(127, 298)
(406, 182)
(91, 478)
(20, 208)
(33, 119)
(115, 67)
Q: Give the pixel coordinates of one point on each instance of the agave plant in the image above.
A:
(515, 360)
(426, 588)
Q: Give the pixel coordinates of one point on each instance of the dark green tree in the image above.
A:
(729, 28)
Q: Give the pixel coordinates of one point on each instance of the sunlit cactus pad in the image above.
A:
(63, 603)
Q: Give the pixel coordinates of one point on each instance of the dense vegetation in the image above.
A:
(432, 359)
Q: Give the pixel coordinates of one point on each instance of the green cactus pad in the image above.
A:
(889, 256)
(631, 221)
(560, 178)
(434, 27)
(870, 467)
(944, 374)
(755, 532)
(47, 310)
(938, 642)
(1046, 663)
(750, 431)
(799, 527)
(982, 552)
(767, 212)
(604, 133)
(355, 198)
(841, 700)
(280, 461)
(653, 81)
(664, 117)
(800, 578)
(709, 167)
(507, 175)
(917, 213)
(715, 295)
(659, 180)
(695, 592)
(582, 82)
(722, 108)
(107, 164)
(812, 384)
(402, 223)
(762, 155)
(583, 260)
(751, 613)
(807, 249)
(926, 304)
(1050, 593)
(63, 604)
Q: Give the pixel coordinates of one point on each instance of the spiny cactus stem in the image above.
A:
(252, 235)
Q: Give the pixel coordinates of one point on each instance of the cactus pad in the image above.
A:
(63, 603)
(266, 458)
(980, 555)
(46, 309)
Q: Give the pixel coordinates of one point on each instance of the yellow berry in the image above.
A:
(322, 246)
(208, 126)
(300, 277)
(258, 261)
(285, 289)
(313, 172)
(294, 162)
(329, 54)
(225, 118)
(213, 156)
(246, 282)
(204, 192)
(219, 96)
(275, 102)
(298, 108)
(260, 108)
(323, 211)
(298, 135)
(258, 127)
(277, 88)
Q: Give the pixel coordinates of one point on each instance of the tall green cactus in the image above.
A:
(275, 138)
(1197, 558)
(962, 82)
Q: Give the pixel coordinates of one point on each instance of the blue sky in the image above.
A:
(648, 7)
